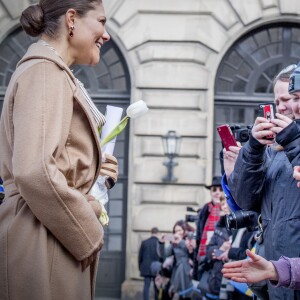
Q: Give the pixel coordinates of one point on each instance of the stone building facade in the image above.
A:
(174, 51)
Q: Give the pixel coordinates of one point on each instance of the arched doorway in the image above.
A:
(245, 75)
(107, 83)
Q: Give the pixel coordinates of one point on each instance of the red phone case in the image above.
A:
(226, 136)
(268, 110)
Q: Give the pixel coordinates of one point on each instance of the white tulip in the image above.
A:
(137, 109)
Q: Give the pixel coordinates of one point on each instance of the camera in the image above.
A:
(241, 219)
(191, 218)
(241, 134)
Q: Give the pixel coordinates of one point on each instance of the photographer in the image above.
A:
(262, 181)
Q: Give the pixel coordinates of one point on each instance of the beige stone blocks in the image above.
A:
(184, 122)
(152, 146)
(151, 170)
(248, 11)
(173, 51)
(180, 75)
(169, 98)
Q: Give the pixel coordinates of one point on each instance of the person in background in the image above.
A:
(209, 215)
(262, 181)
(147, 255)
(180, 250)
(50, 157)
(219, 242)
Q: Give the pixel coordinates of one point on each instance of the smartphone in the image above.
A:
(218, 252)
(226, 136)
(268, 110)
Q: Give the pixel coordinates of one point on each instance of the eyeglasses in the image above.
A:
(216, 188)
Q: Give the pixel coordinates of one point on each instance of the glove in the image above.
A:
(110, 167)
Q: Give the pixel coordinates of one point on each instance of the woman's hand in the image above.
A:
(230, 157)
(261, 129)
(88, 261)
(176, 239)
(224, 256)
(96, 206)
(110, 167)
(225, 246)
(280, 123)
(251, 270)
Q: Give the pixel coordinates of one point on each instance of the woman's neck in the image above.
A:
(61, 48)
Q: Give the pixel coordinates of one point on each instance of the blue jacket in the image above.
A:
(263, 181)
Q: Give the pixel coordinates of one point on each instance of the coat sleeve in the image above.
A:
(288, 272)
(140, 258)
(246, 182)
(289, 138)
(42, 114)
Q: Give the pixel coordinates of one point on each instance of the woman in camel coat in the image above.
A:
(50, 157)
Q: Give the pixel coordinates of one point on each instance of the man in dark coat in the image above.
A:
(147, 255)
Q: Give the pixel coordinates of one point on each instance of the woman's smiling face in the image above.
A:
(89, 35)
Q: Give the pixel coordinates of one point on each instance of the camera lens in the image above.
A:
(241, 218)
(244, 135)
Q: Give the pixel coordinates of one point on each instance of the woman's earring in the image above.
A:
(71, 34)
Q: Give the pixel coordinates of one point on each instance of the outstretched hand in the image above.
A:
(251, 270)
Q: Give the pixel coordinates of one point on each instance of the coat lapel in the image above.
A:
(39, 51)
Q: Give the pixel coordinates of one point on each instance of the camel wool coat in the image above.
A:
(49, 160)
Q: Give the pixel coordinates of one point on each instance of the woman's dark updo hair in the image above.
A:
(44, 17)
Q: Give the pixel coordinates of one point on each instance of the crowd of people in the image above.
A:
(187, 264)
(262, 177)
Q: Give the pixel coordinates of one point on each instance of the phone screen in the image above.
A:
(267, 110)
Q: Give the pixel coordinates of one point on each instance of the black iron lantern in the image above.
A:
(171, 145)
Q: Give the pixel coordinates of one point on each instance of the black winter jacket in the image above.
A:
(263, 181)
(148, 253)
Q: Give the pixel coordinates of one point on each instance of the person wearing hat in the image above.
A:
(209, 215)
(262, 179)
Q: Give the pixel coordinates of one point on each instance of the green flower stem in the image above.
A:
(117, 130)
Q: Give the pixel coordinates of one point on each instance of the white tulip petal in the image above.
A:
(137, 109)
